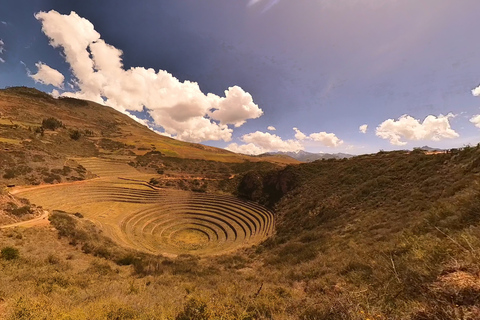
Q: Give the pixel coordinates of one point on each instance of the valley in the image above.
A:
(141, 226)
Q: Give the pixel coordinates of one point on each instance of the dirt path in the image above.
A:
(39, 221)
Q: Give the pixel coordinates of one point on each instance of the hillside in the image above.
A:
(106, 131)
(143, 234)
(34, 153)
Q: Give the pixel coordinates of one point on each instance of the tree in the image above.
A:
(51, 123)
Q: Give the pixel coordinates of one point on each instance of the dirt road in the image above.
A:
(39, 221)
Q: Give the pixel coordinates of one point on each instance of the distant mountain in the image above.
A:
(305, 156)
(430, 149)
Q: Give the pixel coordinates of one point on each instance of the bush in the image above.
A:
(64, 223)
(75, 135)
(21, 211)
(9, 253)
(51, 124)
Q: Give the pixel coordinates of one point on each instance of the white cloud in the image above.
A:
(327, 139)
(180, 108)
(476, 91)
(476, 120)
(47, 75)
(235, 108)
(260, 142)
(271, 128)
(270, 141)
(55, 93)
(363, 128)
(407, 128)
(299, 135)
(249, 148)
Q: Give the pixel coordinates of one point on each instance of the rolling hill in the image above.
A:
(107, 132)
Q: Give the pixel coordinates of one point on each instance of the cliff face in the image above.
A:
(268, 188)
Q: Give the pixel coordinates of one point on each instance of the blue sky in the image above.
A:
(406, 69)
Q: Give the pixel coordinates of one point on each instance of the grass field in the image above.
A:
(155, 220)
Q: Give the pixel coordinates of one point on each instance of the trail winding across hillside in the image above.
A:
(41, 220)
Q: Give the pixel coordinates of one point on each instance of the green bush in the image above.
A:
(9, 253)
(51, 123)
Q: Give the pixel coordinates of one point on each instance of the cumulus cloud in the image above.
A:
(260, 142)
(299, 135)
(180, 108)
(47, 75)
(476, 91)
(235, 108)
(363, 128)
(271, 128)
(326, 139)
(408, 128)
(476, 120)
(270, 141)
(249, 148)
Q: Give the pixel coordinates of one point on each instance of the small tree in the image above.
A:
(51, 123)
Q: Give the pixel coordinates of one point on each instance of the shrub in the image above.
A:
(21, 211)
(64, 223)
(9, 253)
(75, 135)
(51, 123)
